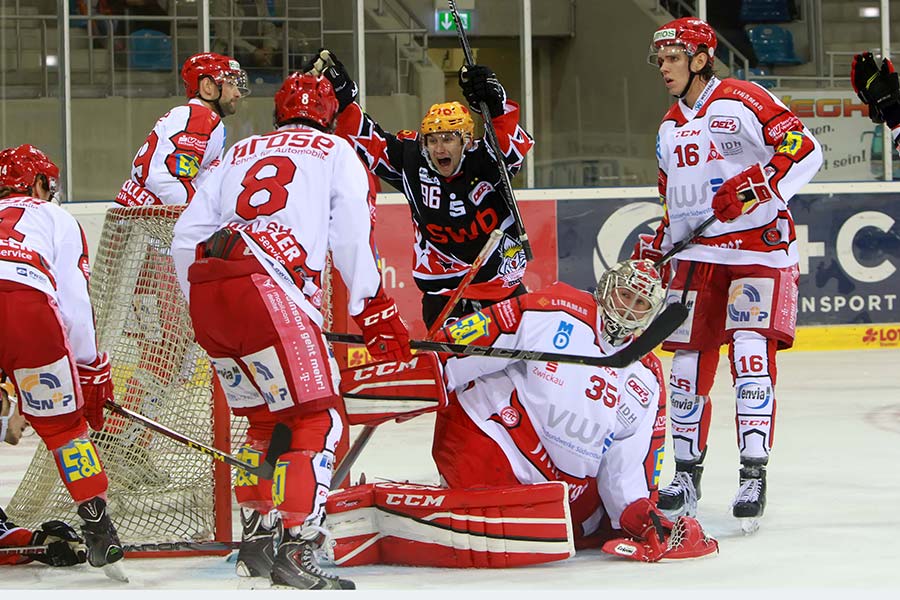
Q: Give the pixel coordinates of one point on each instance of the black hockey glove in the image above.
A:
(478, 83)
(326, 63)
(64, 547)
(879, 88)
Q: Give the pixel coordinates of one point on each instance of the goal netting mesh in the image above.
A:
(159, 491)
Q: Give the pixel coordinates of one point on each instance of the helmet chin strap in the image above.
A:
(690, 80)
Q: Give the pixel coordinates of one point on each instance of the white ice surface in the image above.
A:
(831, 525)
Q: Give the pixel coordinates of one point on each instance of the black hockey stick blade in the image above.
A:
(280, 443)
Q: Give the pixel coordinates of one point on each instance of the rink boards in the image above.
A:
(848, 234)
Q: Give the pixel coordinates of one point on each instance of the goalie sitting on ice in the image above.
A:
(538, 458)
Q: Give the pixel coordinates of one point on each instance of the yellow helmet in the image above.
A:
(448, 116)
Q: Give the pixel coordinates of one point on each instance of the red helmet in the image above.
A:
(19, 167)
(216, 66)
(306, 96)
(687, 32)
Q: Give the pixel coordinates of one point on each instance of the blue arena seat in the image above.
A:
(765, 11)
(149, 50)
(773, 45)
(766, 83)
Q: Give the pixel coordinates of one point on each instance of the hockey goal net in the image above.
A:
(162, 495)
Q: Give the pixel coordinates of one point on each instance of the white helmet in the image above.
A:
(629, 295)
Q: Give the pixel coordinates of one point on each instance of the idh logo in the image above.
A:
(882, 336)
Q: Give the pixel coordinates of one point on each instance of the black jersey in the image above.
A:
(453, 216)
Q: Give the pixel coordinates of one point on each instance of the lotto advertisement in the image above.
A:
(849, 254)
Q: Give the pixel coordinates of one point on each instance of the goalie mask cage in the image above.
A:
(163, 496)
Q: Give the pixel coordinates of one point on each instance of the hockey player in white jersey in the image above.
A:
(720, 139)
(189, 140)
(249, 253)
(515, 423)
(184, 145)
(47, 338)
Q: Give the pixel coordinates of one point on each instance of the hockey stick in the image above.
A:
(132, 548)
(491, 134)
(661, 328)
(366, 434)
(486, 251)
(745, 196)
(279, 444)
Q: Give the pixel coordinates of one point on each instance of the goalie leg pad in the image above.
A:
(378, 392)
(407, 524)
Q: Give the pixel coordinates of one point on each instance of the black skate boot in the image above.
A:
(257, 550)
(295, 567)
(100, 537)
(750, 501)
(680, 497)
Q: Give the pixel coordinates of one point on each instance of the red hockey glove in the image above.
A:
(96, 388)
(878, 88)
(645, 249)
(742, 194)
(654, 537)
(385, 333)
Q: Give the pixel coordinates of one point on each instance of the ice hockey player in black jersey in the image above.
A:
(451, 181)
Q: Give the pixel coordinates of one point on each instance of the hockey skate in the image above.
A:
(295, 567)
(103, 546)
(680, 497)
(750, 501)
(257, 551)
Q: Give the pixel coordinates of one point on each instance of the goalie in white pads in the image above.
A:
(47, 340)
(515, 422)
(249, 252)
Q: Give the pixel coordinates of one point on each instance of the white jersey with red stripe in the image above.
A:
(558, 421)
(43, 246)
(732, 125)
(183, 146)
(293, 194)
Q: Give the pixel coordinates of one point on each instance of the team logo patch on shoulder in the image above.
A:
(406, 134)
(791, 144)
(186, 165)
(469, 329)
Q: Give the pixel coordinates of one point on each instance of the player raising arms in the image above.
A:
(48, 344)
(261, 229)
(720, 140)
(450, 181)
(514, 422)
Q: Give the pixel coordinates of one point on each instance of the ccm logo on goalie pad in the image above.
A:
(414, 500)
